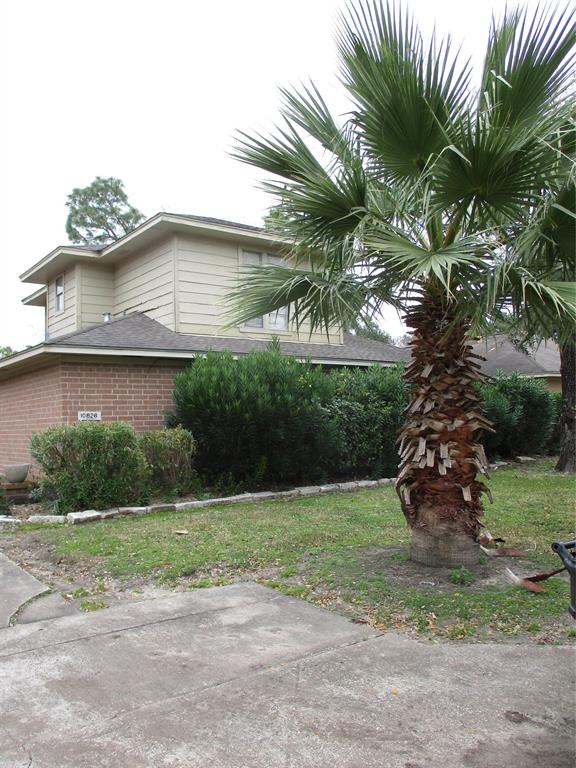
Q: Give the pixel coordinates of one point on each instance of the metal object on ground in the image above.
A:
(566, 551)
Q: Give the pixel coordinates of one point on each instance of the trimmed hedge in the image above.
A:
(266, 418)
(367, 411)
(260, 419)
(523, 412)
(170, 457)
(92, 465)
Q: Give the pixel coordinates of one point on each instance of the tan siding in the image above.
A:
(66, 321)
(207, 270)
(96, 293)
(145, 283)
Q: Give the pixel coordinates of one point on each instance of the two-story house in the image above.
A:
(122, 320)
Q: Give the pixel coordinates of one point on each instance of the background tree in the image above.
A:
(368, 328)
(5, 351)
(409, 203)
(100, 213)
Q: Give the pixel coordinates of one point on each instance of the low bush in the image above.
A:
(523, 413)
(92, 465)
(170, 457)
(260, 419)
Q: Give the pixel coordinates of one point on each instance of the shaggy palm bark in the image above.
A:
(439, 446)
(567, 457)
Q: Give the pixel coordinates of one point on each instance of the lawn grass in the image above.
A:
(349, 552)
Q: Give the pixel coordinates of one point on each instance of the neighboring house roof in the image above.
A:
(149, 231)
(137, 335)
(502, 355)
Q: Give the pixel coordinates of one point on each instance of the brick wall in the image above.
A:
(28, 403)
(138, 394)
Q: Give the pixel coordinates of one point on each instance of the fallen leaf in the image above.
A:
(181, 533)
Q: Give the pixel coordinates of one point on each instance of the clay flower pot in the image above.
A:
(15, 473)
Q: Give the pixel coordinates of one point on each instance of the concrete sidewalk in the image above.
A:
(17, 587)
(243, 677)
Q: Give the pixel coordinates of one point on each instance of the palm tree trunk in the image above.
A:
(567, 457)
(439, 445)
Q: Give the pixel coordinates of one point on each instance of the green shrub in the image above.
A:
(92, 465)
(259, 419)
(523, 413)
(555, 439)
(368, 411)
(170, 456)
(498, 410)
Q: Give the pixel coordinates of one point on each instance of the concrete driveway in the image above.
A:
(242, 677)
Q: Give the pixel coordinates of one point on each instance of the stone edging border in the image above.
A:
(92, 515)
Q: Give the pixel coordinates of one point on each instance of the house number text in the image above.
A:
(89, 415)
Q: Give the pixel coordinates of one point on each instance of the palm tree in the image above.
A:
(409, 202)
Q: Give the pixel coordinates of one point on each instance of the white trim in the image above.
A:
(173, 220)
(31, 298)
(24, 355)
(60, 311)
(53, 349)
(61, 250)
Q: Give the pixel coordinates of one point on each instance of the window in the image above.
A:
(250, 258)
(275, 321)
(59, 294)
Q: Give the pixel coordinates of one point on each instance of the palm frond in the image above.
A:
(406, 92)
(321, 299)
(406, 260)
(529, 62)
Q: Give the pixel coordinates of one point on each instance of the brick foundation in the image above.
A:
(30, 402)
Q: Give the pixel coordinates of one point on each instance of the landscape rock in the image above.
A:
(161, 508)
(183, 505)
(108, 513)
(367, 483)
(46, 519)
(329, 488)
(350, 486)
(133, 510)
(87, 516)
(238, 498)
(262, 495)
(8, 520)
(525, 459)
(309, 490)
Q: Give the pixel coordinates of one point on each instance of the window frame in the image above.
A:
(58, 294)
(266, 327)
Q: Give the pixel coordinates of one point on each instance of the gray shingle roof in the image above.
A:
(139, 332)
(217, 222)
(501, 354)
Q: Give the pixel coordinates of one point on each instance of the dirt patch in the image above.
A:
(83, 582)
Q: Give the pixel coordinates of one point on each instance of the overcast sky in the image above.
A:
(152, 93)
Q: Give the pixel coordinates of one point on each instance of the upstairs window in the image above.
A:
(249, 259)
(59, 294)
(275, 321)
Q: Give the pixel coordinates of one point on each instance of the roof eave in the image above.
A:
(64, 256)
(36, 299)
